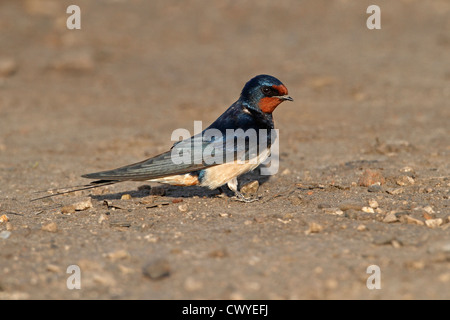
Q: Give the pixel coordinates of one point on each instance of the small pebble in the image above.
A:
(50, 227)
(357, 215)
(373, 203)
(367, 210)
(7, 67)
(400, 214)
(370, 177)
(350, 206)
(425, 190)
(333, 211)
(183, 207)
(390, 217)
(433, 223)
(79, 206)
(386, 239)
(250, 188)
(83, 205)
(124, 224)
(102, 217)
(4, 218)
(375, 188)
(68, 209)
(395, 191)
(5, 234)
(405, 181)
(126, 270)
(126, 197)
(53, 268)
(408, 171)
(314, 227)
(9, 226)
(157, 269)
(396, 244)
(118, 255)
(410, 220)
(428, 209)
(151, 238)
(361, 227)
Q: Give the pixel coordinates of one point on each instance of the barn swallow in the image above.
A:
(252, 111)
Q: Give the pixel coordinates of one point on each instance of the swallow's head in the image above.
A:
(264, 92)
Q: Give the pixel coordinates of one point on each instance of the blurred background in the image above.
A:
(139, 69)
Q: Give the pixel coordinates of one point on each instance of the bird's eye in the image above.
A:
(267, 90)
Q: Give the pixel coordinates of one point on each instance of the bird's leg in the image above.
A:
(233, 184)
(240, 197)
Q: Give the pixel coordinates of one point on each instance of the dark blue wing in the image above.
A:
(235, 135)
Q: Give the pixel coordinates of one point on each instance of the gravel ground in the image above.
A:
(364, 150)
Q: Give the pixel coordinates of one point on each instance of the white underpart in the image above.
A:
(228, 172)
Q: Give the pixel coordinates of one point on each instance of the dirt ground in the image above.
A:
(79, 101)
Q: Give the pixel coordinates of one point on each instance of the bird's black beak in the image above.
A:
(285, 98)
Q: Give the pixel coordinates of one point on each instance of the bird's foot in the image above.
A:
(240, 197)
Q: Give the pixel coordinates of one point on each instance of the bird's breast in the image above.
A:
(219, 175)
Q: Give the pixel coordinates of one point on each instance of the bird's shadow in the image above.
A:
(184, 192)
